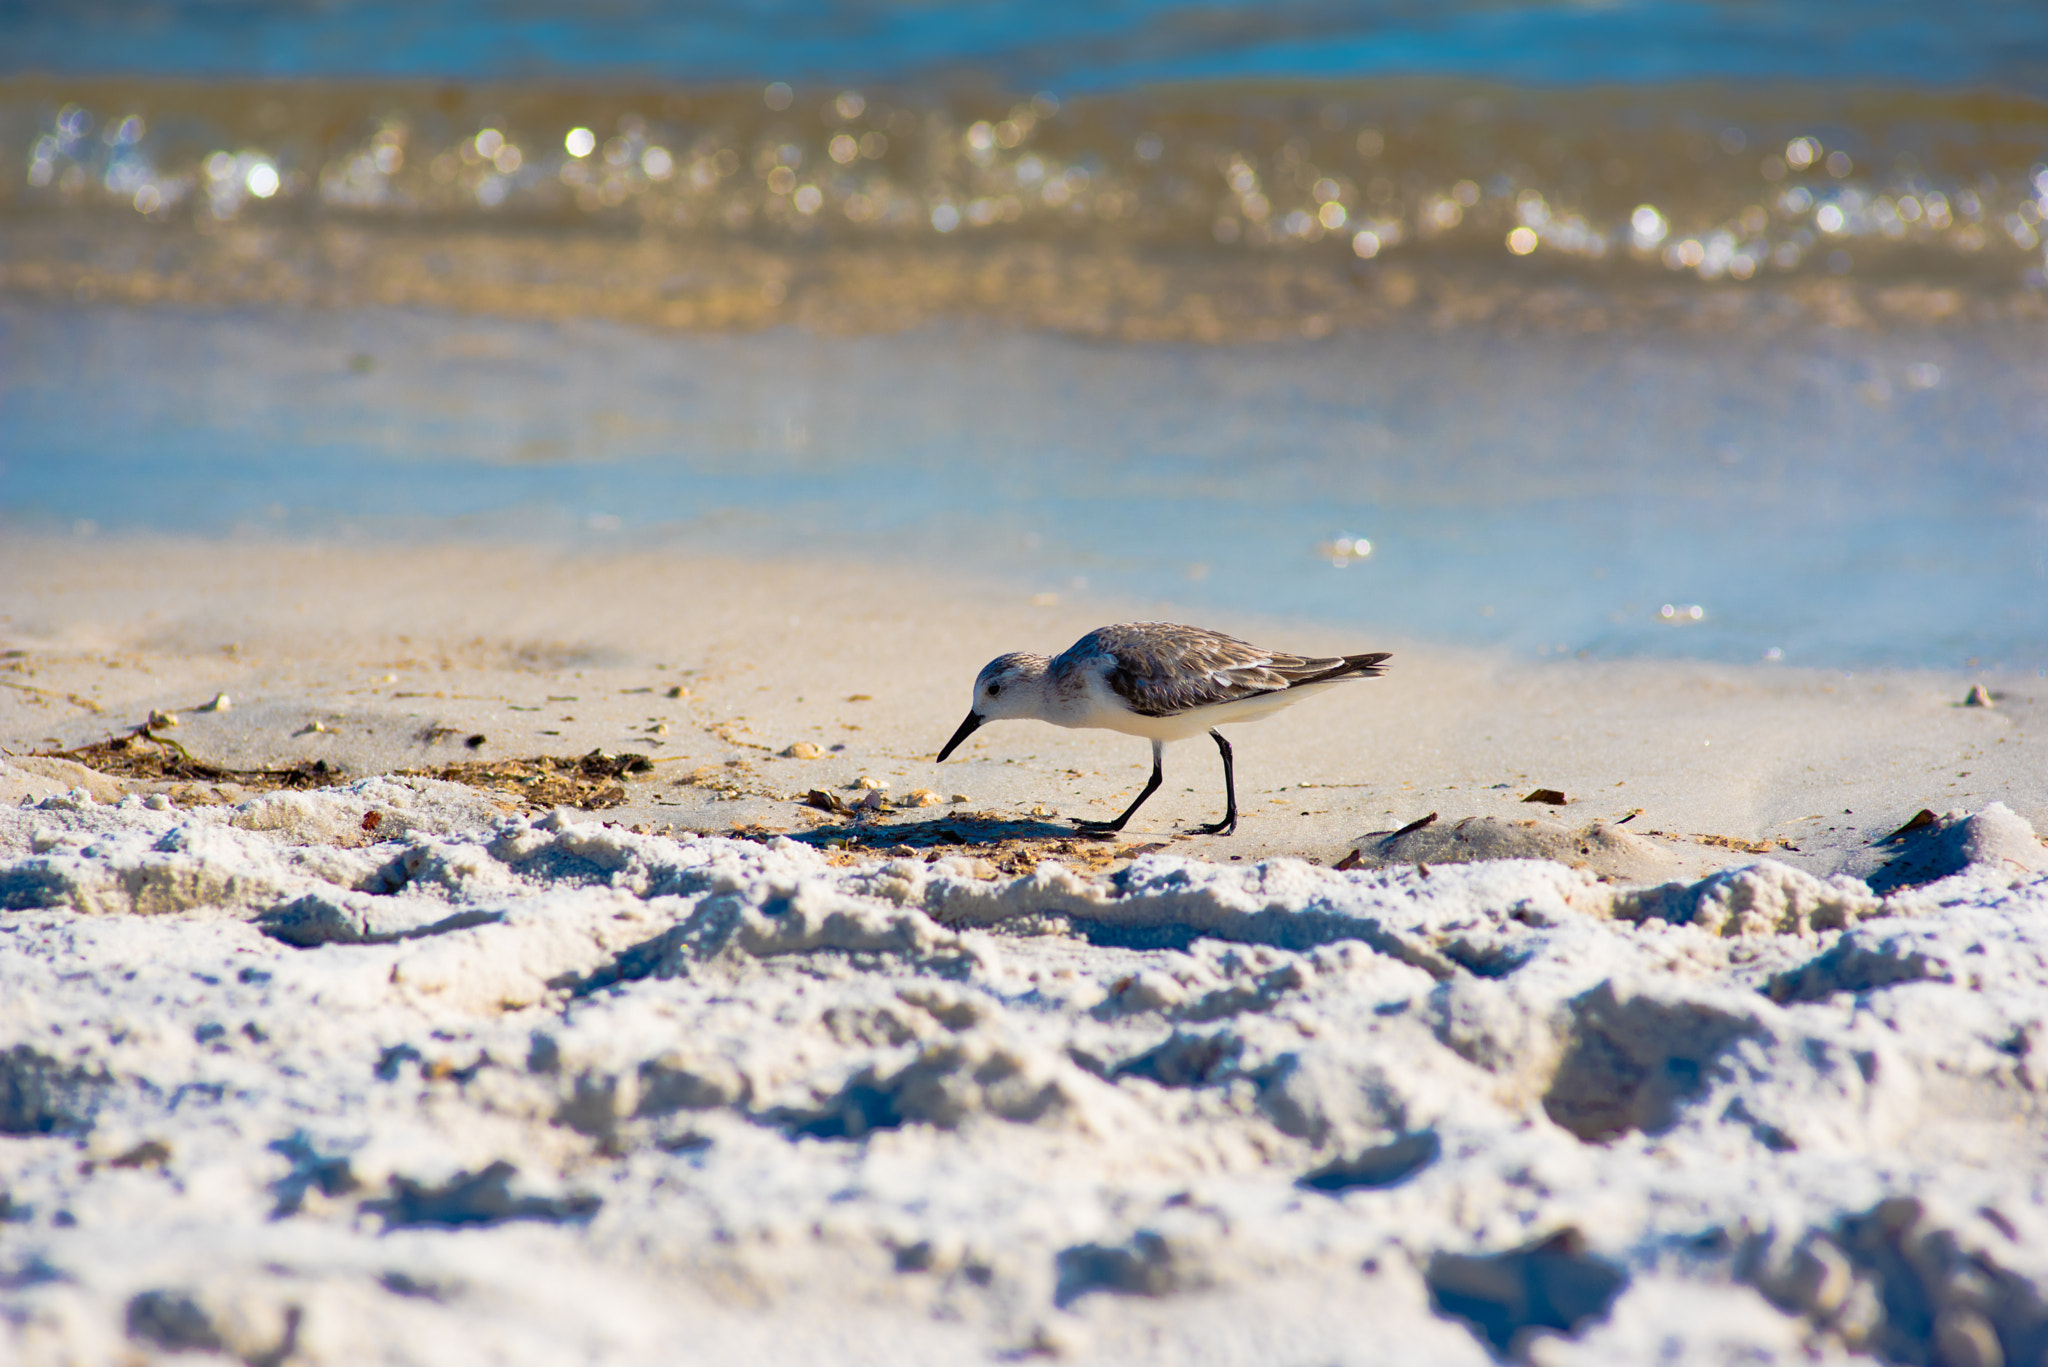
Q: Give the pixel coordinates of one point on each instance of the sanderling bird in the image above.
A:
(1160, 681)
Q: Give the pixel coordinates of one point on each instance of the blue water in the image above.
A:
(1836, 498)
(1032, 44)
(1769, 488)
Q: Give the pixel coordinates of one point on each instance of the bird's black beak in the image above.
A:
(967, 728)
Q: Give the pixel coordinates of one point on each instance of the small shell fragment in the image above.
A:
(221, 703)
(1978, 696)
(958, 798)
(803, 749)
(922, 797)
(1919, 821)
(869, 783)
(677, 691)
(157, 719)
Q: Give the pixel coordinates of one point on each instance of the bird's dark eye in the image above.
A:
(994, 689)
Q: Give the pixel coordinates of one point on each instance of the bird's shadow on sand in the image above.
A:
(964, 831)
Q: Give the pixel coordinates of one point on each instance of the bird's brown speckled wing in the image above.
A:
(1161, 669)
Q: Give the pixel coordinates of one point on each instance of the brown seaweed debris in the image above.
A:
(141, 754)
(1012, 858)
(1013, 845)
(591, 782)
(1019, 857)
(1738, 844)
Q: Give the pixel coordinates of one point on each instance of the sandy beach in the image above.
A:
(1697, 1063)
(376, 659)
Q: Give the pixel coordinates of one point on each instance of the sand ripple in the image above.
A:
(465, 1087)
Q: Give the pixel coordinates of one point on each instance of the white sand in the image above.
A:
(474, 1086)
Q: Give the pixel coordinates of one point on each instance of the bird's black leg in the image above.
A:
(1229, 821)
(1151, 787)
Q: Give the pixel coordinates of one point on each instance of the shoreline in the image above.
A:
(386, 658)
(1814, 526)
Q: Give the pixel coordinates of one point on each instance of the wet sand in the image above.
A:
(379, 658)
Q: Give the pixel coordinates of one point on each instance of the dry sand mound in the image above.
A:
(1609, 851)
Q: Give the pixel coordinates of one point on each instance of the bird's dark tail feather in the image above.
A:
(1298, 672)
(1361, 666)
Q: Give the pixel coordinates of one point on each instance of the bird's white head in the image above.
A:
(1008, 686)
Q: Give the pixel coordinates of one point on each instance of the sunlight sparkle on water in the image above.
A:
(1648, 225)
(1345, 551)
(779, 165)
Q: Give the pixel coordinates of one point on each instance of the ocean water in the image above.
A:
(1675, 329)
(1028, 44)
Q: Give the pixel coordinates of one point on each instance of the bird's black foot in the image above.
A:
(1098, 827)
(1224, 827)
